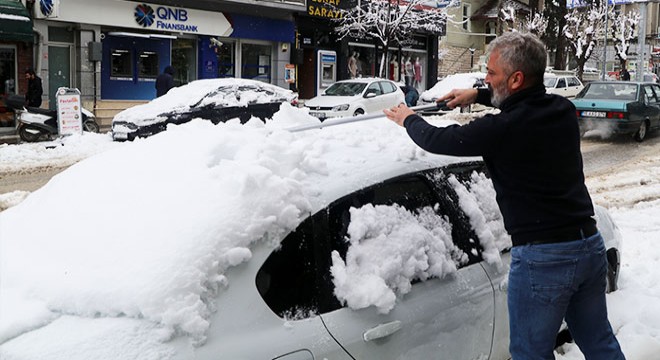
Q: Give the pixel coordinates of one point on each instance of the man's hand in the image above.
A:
(398, 113)
(459, 97)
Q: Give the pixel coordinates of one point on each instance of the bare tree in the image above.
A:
(390, 22)
(582, 29)
(623, 31)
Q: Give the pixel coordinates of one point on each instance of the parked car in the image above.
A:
(217, 100)
(619, 107)
(355, 97)
(565, 85)
(394, 257)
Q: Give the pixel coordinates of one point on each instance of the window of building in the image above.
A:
(184, 61)
(226, 60)
(121, 67)
(256, 62)
(60, 34)
(147, 65)
(466, 17)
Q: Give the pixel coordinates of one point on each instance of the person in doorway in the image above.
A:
(625, 75)
(352, 65)
(34, 89)
(532, 151)
(165, 81)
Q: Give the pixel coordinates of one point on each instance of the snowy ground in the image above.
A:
(631, 193)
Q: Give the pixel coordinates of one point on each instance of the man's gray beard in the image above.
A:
(498, 96)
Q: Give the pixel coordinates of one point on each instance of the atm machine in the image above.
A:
(327, 70)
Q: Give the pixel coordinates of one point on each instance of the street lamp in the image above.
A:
(471, 58)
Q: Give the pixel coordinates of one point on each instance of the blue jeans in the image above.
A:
(552, 282)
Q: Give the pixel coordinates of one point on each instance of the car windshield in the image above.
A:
(612, 91)
(550, 81)
(345, 89)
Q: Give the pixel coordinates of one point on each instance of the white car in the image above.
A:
(343, 243)
(355, 97)
(565, 85)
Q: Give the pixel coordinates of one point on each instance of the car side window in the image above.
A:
(388, 87)
(561, 83)
(573, 81)
(374, 88)
(295, 281)
(650, 94)
(656, 88)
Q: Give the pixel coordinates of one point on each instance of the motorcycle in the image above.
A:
(37, 123)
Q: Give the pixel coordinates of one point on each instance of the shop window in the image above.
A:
(60, 34)
(366, 60)
(256, 62)
(7, 83)
(226, 60)
(147, 65)
(184, 61)
(122, 64)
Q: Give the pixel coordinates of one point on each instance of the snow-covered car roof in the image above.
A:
(199, 93)
(168, 224)
(455, 81)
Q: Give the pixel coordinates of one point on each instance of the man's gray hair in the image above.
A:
(521, 51)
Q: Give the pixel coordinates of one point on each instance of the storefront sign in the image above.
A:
(134, 15)
(329, 9)
(69, 114)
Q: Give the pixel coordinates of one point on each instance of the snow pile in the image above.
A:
(455, 81)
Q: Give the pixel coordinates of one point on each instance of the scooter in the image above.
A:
(37, 123)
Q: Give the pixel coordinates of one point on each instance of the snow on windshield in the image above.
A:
(455, 81)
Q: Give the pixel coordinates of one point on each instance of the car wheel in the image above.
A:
(90, 126)
(29, 134)
(358, 112)
(640, 135)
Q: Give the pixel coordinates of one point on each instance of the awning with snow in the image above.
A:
(15, 22)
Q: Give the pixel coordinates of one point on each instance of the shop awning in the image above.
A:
(15, 22)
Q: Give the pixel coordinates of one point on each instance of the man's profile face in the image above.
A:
(28, 76)
(497, 79)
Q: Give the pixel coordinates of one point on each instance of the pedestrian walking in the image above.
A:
(532, 151)
(625, 75)
(165, 81)
(34, 89)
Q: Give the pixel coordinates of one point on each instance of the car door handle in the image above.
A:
(382, 330)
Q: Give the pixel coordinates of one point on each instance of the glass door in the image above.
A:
(184, 61)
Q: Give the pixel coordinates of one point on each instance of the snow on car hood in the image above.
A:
(148, 230)
(182, 98)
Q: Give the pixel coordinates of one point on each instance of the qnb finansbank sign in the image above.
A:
(164, 18)
(145, 16)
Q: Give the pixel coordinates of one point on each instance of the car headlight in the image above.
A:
(342, 107)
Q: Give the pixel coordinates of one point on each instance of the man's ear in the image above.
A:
(516, 80)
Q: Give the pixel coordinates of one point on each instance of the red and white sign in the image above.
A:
(69, 111)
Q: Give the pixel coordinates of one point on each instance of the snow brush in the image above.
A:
(435, 106)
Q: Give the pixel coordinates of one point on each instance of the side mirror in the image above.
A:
(370, 94)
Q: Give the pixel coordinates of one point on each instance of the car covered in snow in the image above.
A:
(342, 243)
(619, 107)
(355, 97)
(217, 100)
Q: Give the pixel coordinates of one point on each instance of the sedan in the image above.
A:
(217, 100)
(355, 97)
(619, 107)
(264, 244)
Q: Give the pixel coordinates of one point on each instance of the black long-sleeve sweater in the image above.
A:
(532, 151)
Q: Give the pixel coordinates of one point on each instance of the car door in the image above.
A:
(373, 103)
(655, 120)
(651, 108)
(440, 318)
(573, 86)
(391, 95)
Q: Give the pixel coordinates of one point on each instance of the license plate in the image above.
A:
(120, 136)
(593, 114)
(319, 115)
